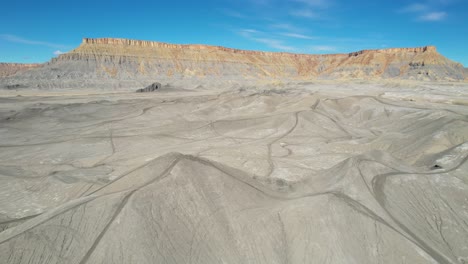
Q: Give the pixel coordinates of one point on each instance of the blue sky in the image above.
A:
(36, 31)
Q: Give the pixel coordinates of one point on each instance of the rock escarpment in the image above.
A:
(128, 63)
(8, 69)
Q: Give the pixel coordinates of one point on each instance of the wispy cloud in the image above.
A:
(315, 3)
(281, 24)
(17, 39)
(433, 16)
(296, 35)
(276, 44)
(59, 52)
(323, 48)
(248, 33)
(232, 13)
(261, 2)
(312, 3)
(305, 13)
(429, 11)
(416, 7)
(261, 37)
(312, 9)
(287, 27)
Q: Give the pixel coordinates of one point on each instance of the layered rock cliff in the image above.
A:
(112, 62)
(8, 69)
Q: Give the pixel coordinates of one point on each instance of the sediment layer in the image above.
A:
(124, 62)
(8, 69)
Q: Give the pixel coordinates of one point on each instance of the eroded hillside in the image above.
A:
(110, 62)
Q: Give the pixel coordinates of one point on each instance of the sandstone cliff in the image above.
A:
(8, 69)
(131, 63)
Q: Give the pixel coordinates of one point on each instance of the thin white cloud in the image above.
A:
(58, 52)
(261, 2)
(260, 37)
(252, 31)
(416, 7)
(248, 33)
(296, 35)
(304, 13)
(322, 48)
(276, 44)
(429, 10)
(433, 16)
(16, 39)
(287, 27)
(443, 2)
(315, 3)
(311, 3)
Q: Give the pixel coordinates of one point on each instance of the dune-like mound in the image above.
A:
(108, 62)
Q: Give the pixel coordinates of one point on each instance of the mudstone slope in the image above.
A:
(8, 69)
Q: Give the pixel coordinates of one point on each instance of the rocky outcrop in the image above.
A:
(151, 88)
(8, 69)
(108, 62)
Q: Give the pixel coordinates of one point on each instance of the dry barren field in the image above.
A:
(300, 174)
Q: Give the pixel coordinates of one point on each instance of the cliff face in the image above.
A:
(123, 62)
(8, 69)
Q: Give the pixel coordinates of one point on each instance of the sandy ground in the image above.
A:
(302, 173)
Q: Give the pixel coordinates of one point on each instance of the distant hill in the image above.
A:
(108, 62)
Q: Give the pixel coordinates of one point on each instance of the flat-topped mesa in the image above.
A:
(114, 62)
(155, 44)
(425, 49)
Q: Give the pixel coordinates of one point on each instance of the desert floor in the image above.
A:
(299, 173)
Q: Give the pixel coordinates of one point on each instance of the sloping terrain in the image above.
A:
(8, 69)
(122, 63)
(275, 176)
